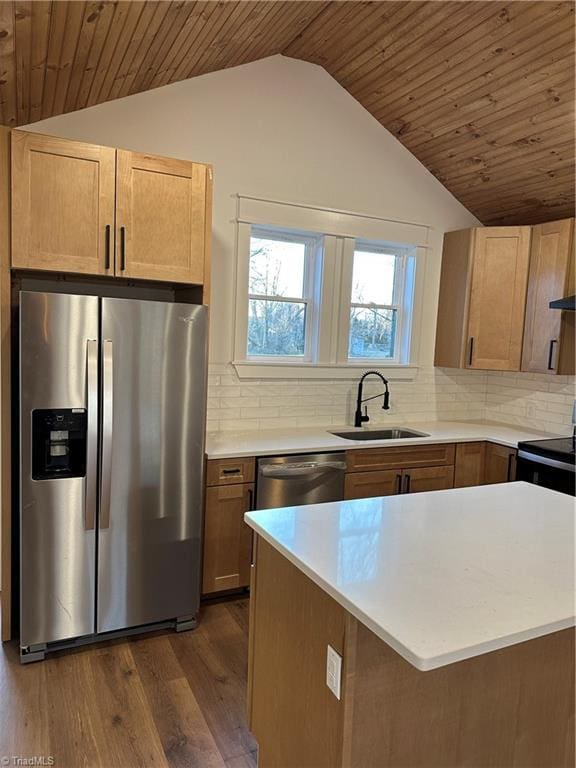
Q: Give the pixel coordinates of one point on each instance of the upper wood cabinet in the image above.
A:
(62, 204)
(482, 298)
(549, 333)
(96, 210)
(160, 218)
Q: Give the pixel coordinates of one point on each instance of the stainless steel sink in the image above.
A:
(394, 433)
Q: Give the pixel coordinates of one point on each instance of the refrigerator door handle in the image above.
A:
(107, 417)
(92, 434)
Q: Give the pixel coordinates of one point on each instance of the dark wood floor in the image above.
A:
(169, 699)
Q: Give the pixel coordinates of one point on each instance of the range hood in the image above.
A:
(569, 302)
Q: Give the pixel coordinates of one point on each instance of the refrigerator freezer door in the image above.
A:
(149, 537)
(58, 433)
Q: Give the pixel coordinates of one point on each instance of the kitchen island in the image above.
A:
(452, 611)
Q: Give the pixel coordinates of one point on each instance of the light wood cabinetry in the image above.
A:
(482, 298)
(400, 457)
(469, 465)
(88, 209)
(62, 204)
(412, 468)
(500, 464)
(227, 539)
(365, 485)
(160, 218)
(549, 333)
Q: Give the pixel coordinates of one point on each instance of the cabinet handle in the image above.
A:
(122, 248)
(398, 483)
(250, 499)
(235, 471)
(551, 353)
(107, 248)
(407, 483)
(471, 355)
(509, 470)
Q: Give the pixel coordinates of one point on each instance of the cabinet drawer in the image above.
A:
(227, 471)
(400, 457)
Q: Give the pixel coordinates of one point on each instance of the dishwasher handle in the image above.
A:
(299, 470)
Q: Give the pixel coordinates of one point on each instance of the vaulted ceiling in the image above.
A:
(481, 92)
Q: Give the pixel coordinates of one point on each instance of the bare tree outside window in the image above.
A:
(277, 308)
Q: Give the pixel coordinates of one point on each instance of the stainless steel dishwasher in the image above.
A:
(286, 481)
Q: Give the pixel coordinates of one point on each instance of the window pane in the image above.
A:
(276, 327)
(373, 278)
(372, 332)
(276, 267)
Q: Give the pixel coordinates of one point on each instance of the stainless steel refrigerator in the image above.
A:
(112, 416)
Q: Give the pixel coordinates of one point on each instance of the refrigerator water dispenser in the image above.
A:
(58, 443)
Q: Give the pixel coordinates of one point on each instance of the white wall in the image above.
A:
(284, 129)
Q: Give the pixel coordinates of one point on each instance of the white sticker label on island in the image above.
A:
(333, 671)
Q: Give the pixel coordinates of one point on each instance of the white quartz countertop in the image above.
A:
(225, 445)
(440, 576)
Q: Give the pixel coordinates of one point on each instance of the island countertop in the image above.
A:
(440, 576)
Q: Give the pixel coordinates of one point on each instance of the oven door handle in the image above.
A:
(546, 461)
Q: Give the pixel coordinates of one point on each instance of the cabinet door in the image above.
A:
(469, 467)
(364, 485)
(498, 298)
(160, 218)
(550, 256)
(427, 479)
(227, 538)
(500, 464)
(62, 204)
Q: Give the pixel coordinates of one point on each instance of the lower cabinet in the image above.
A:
(500, 466)
(227, 538)
(406, 474)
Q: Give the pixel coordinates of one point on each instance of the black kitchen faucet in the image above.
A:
(360, 418)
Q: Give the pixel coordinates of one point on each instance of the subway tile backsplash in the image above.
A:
(529, 400)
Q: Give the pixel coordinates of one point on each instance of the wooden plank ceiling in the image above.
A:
(481, 92)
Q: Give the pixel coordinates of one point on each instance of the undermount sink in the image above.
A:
(394, 433)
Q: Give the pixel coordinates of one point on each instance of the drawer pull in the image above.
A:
(235, 471)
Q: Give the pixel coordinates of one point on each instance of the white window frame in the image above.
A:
(401, 302)
(335, 234)
(310, 298)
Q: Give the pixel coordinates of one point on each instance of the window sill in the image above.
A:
(252, 369)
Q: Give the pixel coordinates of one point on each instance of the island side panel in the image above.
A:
(295, 718)
(512, 708)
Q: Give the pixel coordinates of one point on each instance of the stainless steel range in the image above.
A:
(112, 404)
(549, 462)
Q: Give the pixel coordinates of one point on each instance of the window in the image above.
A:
(279, 294)
(322, 301)
(377, 297)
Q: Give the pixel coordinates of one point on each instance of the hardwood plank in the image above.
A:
(214, 659)
(121, 13)
(106, 15)
(138, 36)
(163, 44)
(150, 33)
(58, 15)
(41, 22)
(133, 12)
(74, 19)
(23, 38)
(9, 112)
(184, 733)
(87, 30)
